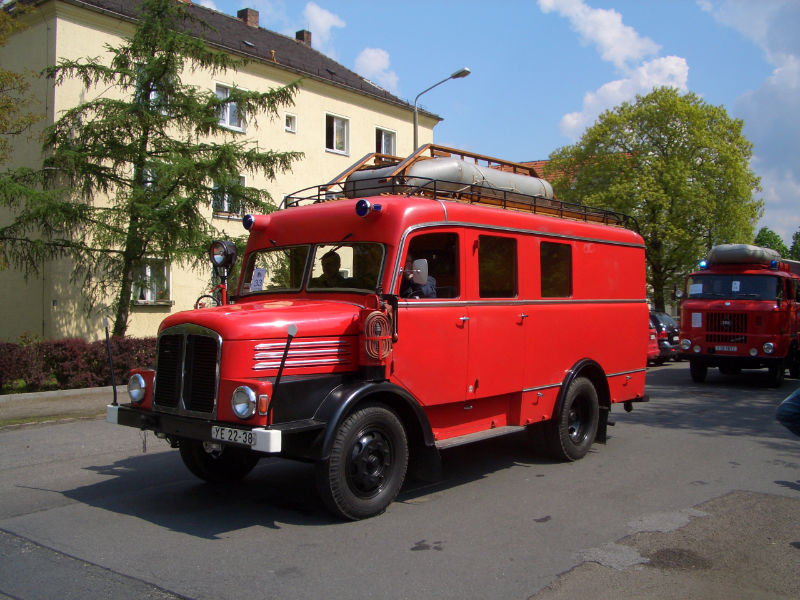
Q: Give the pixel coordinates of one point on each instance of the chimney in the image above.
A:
(303, 36)
(249, 16)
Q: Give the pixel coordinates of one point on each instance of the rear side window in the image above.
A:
(497, 267)
(556, 270)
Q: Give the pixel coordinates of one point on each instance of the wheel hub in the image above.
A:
(370, 458)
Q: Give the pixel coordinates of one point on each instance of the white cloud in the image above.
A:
(770, 113)
(321, 23)
(671, 71)
(373, 63)
(617, 43)
(207, 4)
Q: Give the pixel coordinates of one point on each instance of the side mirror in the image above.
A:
(419, 271)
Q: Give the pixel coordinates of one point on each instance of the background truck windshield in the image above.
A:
(732, 287)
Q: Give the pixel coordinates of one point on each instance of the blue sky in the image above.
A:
(543, 70)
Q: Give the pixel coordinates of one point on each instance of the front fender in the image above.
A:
(345, 398)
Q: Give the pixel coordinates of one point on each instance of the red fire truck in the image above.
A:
(406, 306)
(740, 311)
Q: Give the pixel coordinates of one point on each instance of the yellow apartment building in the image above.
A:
(338, 117)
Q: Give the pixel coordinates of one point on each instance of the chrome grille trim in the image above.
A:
(304, 353)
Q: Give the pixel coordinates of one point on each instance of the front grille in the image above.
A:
(726, 327)
(187, 370)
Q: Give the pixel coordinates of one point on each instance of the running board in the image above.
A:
(478, 436)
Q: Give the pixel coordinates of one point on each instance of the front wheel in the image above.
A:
(776, 373)
(217, 463)
(367, 464)
(572, 431)
(697, 371)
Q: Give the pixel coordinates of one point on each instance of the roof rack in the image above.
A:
(458, 175)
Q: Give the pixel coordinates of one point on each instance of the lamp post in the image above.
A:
(457, 75)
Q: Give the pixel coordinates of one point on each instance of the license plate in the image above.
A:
(233, 436)
(727, 348)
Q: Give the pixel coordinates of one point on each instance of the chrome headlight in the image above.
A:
(137, 389)
(769, 348)
(685, 345)
(243, 402)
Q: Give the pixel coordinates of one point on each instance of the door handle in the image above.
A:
(523, 316)
(463, 318)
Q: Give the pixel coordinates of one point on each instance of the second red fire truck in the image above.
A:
(740, 311)
(407, 306)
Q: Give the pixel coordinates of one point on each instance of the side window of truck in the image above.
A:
(497, 266)
(556, 269)
(441, 252)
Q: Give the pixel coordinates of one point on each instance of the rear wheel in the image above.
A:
(697, 371)
(572, 431)
(794, 363)
(217, 463)
(367, 464)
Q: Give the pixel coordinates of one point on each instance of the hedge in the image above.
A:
(30, 366)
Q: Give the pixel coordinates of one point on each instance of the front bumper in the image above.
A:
(267, 440)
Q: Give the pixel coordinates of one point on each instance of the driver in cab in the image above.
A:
(416, 281)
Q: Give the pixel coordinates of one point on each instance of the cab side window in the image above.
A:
(440, 250)
(556, 270)
(497, 266)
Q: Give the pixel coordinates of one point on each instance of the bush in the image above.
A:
(70, 363)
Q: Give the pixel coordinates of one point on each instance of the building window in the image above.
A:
(225, 200)
(229, 114)
(555, 261)
(290, 123)
(497, 267)
(336, 134)
(384, 141)
(151, 282)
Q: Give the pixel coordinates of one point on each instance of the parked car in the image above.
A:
(653, 351)
(667, 334)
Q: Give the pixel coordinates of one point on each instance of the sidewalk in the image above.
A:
(60, 404)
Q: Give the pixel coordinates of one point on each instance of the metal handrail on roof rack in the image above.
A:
(484, 180)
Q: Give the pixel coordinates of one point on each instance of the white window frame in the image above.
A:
(386, 133)
(144, 293)
(290, 123)
(225, 111)
(336, 139)
(226, 198)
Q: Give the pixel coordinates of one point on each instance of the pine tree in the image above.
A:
(128, 173)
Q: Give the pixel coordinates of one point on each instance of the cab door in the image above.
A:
(497, 316)
(430, 355)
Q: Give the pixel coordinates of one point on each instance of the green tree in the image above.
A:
(15, 96)
(794, 251)
(679, 166)
(766, 238)
(128, 173)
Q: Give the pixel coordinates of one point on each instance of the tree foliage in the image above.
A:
(128, 173)
(15, 98)
(679, 166)
(766, 238)
(794, 251)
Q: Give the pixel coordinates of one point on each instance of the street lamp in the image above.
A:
(457, 75)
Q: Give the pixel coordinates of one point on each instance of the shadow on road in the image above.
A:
(276, 491)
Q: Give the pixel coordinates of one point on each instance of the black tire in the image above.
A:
(659, 361)
(571, 432)
(794, 363)
(367, 464)
(776, 374)
(228, 464)
(697, 371)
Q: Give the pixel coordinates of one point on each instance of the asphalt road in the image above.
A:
(695, 495)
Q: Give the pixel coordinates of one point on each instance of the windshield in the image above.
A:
(732, 287)
(334, 267)
(354, 266)
(275, 270)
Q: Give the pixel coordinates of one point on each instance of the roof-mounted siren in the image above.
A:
(364, 207)
(255, 222)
